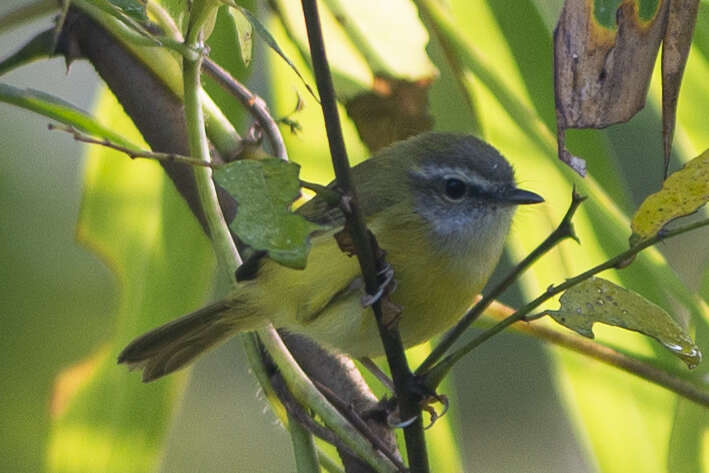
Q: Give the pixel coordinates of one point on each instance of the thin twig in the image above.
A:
(132, 153)
(253, 103)
(364, 245)
(563, 231)
(435, 375)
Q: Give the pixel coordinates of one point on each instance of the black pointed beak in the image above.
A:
(523, 197)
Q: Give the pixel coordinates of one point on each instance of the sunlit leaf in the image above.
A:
(597, 300)
(263, 191)
(375, 31)
(682, 194)
(244, 33)
(60, 110)
(383, 77)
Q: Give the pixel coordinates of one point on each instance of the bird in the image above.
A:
(439, 204)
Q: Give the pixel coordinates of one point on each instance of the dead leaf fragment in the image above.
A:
(681, 19)
(393, 110)
(603, 61)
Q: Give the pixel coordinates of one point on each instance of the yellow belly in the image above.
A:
(324, 300)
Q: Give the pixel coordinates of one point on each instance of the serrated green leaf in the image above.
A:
(682, 194)
(264, 190)
(599, 300)
(60, 110)
(244, 33)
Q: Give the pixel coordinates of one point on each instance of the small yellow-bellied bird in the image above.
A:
(440, 205)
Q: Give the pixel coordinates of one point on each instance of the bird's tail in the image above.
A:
(175, 344)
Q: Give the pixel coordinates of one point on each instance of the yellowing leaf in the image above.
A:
(599, 300)
(682, 194)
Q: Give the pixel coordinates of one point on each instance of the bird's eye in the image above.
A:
(455, 188)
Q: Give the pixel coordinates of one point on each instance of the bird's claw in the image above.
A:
(426, 406)
(387, 284)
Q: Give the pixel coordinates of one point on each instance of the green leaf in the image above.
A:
(682, 194)
(264, 190)
(244, 33)
(57, 109)
(599, 300)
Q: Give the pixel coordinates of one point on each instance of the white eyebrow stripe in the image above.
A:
(468, 176)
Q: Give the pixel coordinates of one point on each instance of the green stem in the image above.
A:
(224, 246)
(306, 458)
(435, 375)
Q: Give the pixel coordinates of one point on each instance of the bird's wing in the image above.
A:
(321, 211)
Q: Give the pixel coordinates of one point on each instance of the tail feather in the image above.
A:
(175, 344)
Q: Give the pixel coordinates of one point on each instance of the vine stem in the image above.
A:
(227, 253)
(365, 245)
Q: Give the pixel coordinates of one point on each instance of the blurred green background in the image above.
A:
(58, 302)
